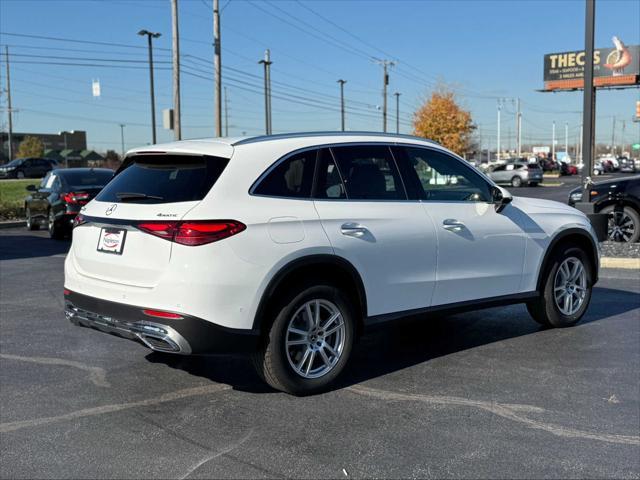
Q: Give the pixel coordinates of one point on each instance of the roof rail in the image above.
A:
(279, 136)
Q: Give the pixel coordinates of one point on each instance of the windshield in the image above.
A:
(163, 179)
(14, 163)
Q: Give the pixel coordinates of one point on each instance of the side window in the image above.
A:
(57, 185)
(369, 172)
(291, 178)
(499, 168)
(329, 184)
(445, 178)
(45, 180)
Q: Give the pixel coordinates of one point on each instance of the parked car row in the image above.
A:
(27, 168)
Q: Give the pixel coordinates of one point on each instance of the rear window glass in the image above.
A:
(79, 180)
(163, 179)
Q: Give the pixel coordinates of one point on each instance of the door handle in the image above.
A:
(452, 224)
(352, 229)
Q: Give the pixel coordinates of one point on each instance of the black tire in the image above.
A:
(31, 225)
(516, 181)
(533, 184)
(624, 226)
(544, 309)
(54, 228)
(272, 360)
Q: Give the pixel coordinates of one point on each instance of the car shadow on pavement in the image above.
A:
(406, 343)
(31, 246)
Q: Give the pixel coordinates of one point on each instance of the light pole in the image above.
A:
(342, 82)
(122, 125)
(66, 158)
(150, 36)
(267, 90)
(397, 94)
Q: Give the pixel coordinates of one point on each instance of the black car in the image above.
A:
(27, 168)
(620, 198)
(61, 195)
(628, 165)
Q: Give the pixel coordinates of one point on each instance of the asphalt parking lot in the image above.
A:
(483, 394)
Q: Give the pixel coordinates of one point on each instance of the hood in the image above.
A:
(537, 205)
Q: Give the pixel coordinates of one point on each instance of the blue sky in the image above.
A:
(482, 49)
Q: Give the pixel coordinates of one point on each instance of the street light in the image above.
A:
(150, 36)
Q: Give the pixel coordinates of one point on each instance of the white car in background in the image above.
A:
(290, 246)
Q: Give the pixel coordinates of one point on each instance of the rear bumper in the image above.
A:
(187, 335)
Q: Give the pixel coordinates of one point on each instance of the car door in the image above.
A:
(37, 203)
(369, 221)
(480, 250)
(498, 174)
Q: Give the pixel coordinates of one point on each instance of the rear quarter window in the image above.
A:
(163, 179)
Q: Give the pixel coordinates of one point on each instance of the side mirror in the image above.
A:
(501, 198)
(32, 188)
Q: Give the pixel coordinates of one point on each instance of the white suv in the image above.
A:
(290, 246)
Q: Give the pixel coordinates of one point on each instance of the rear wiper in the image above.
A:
(124, 196)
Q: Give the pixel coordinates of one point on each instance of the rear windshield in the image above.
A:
(80, 180)
(163, 179)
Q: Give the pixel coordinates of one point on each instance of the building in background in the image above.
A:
(73, 140)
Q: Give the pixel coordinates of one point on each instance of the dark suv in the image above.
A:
(620, 198)
(27, 168)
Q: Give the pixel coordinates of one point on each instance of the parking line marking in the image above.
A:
(117, 407)
(501, 409)
(97, 375)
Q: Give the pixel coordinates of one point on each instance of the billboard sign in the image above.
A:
(617, 66)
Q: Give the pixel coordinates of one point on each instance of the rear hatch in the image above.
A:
(149, 193)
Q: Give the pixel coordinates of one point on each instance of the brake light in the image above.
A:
(76, 198)
(161, 314)
(193, 233)
(78, 220)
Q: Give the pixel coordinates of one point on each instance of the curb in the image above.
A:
(617, 262)
(13, 224)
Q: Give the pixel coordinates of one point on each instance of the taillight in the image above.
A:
(193, 233)
(161, 314)
(78, 220)
(76, 198)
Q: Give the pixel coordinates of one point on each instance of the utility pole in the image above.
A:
(553, 141)
(397, 94)
(518, 126)
(580, 145)
(385, 82)
(622, 139)
(589, 100)
(9, 110)
(498, 146)
(150, 37)
(226, 113)
(613, 137)
(217, 63)
(122, 125)
(342, 82)
(267, 89)
(177, 127)
(566, 137)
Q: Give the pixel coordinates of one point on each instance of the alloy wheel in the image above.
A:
(315, 338)
(570, 286)
(621, 226)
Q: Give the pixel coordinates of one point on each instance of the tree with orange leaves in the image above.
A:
(443, 120)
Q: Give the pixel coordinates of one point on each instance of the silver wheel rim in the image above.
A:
(621, 227)
(570, 286)
(51, 222)
(315, 338)
(27, 214)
